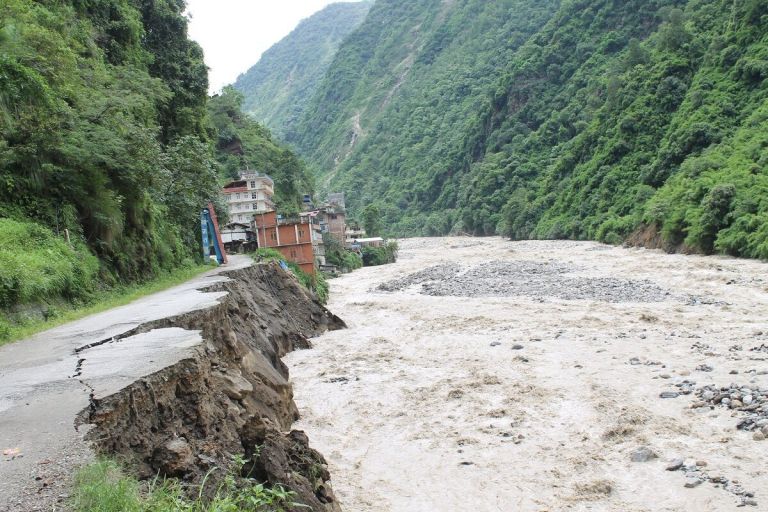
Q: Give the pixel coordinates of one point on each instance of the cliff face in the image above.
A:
(229, 396)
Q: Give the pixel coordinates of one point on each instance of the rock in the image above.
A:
(708, 395)
(643, 454)
(665, 376)
(495, 343)
(758, 436)
(733, 372)
(735, 404)
(675, 464)
(234, 385)
(174, 458)
(701, 463)
(764, 430)
(748, 399)
(669, 394)
(692, 482)
(517, 346)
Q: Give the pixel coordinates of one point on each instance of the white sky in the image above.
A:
(234, 33)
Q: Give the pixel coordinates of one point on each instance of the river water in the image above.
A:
(516, 376)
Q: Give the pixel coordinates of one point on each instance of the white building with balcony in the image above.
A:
(249, 195)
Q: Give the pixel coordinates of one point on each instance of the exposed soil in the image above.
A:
(231, 397)
(487, 375)
(176, 395)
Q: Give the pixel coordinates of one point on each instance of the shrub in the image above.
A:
(374, 256)
(316, 283)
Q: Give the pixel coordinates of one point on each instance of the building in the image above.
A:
(237, 232)
(298, 240)
(330, 216)
(249, 195)
(369, 242)
(353, 233)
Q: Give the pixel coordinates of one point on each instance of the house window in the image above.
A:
(237, 196)
(253, 184)
(273, 236)
(239, 217)
(255, 195)
(333, 216)
(301, 232)
(255, 206)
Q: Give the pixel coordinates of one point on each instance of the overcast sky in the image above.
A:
(234, 33)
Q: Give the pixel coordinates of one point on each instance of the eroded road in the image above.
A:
(487, 375)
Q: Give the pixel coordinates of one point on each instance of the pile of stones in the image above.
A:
(751, 400)
(696, 474)
(434, 273)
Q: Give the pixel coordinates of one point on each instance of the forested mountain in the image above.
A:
(278, 87)
(107, 147)
(242, 143)
(553, 119)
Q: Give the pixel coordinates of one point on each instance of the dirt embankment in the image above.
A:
(230, 397)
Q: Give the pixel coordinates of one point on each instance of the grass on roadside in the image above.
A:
(316, 283)
(100, 301)
(103, 486)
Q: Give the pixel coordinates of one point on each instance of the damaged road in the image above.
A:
(174, 384)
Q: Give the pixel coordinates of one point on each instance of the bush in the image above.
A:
(374, 256)
(336, 254)
(316, 283)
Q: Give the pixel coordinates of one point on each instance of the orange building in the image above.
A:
(294, 240)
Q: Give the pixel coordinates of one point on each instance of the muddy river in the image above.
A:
(488, 375)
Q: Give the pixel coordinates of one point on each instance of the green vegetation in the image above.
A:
(587, 119)
(104, 487)
(373, 256)
(109, 147)
(35, 265)
(57, 310)
(336, 254)
(242, 143)
(316, 284)
(279, 86)
(102, 106)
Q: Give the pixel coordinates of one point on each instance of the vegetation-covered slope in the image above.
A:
(107, 149)
(242, 143)
(278, 87)
(580, 119)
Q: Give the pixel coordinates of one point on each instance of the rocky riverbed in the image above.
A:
(487, 375)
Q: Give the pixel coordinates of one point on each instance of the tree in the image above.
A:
(372, 220)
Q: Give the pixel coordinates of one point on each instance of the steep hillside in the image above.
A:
(277, 88)
(601, 119)
(107, 151)
(100, 104)
(242, 143)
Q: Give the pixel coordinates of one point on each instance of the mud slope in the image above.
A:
(181, 395)
(485, 375)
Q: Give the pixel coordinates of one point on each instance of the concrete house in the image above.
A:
(249, 195)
